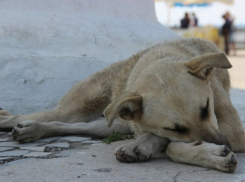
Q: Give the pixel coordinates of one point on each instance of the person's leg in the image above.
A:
(233, 47)
(226, 41)
(232, 42)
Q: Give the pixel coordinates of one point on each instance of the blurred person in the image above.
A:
(185, 22)
(194, 20)
(232, 44)
(226, 28)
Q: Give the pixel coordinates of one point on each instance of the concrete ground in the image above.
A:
(82, 159)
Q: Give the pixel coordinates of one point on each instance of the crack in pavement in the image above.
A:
(174, 178)
(179, 173)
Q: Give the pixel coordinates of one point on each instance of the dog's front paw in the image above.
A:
(203, 154)
(27, 131)
(221, 157)
(227, 161)
(133, 152)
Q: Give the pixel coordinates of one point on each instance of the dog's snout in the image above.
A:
(222, 140)
(216, 137)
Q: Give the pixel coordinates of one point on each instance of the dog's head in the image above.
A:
(174, 99)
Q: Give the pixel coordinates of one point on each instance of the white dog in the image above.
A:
(174, 96)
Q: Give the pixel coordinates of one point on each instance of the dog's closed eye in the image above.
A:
(205, 111)
(178, 129)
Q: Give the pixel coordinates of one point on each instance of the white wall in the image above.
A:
(48, 45)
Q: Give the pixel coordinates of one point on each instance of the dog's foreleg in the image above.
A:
(31, 130)
(203, 154)
(141, 149)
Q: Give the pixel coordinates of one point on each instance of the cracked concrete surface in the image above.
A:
(83, 159)
(97, 163)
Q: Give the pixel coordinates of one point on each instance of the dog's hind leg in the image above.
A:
(83, 103)
(28, 131)
(203, 154)
(77, 108)
(9, 121)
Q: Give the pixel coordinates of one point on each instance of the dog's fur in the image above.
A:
(174, 96)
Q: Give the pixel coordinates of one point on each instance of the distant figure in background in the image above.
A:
(226, 28)
(185, 22)
(231, 36)
(194, 20)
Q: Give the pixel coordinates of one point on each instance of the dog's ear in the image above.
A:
(202, 66)
(128, 107)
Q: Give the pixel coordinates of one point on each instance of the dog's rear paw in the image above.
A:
(4, 112)
(132, 152)
(27, 131)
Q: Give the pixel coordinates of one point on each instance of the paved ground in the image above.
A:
(83, 159)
